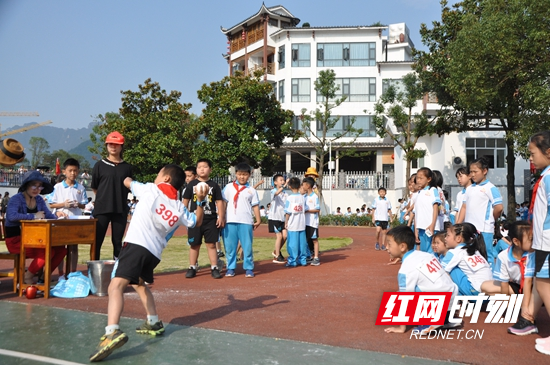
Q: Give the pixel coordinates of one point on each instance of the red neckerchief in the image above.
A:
(168, 190)
(533, 197)
(521, 264)
(238, 189)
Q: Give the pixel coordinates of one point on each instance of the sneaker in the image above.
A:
(156, 329)
(452, 325)
(377, 246)
(523, 327)
(383, 248)
(273, 254)
(107, 344)
(541, 341)
(315, 262)
(216, 273)
(249, 274)
(197, 266)
(543, 348)
(279, 260)
(221, 254)
(288, 265)
(191, 273)
(230, 273)
(425, 329)
(309, 260)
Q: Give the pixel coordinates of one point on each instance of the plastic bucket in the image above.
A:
(99, 272)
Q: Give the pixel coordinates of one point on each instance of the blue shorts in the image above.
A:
(542, 269)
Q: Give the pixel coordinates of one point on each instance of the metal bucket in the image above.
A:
(99, 272)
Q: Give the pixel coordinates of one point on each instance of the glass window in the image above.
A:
(297, 125)
(273, 22)
(281, 57)
(301, 90)
(301, 54)
(355, 89)
(493, 149)
(282, 91)
(396, 83)
(363, 122)
(346, 54)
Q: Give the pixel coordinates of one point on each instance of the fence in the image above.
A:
(350, 180)
(15, 178)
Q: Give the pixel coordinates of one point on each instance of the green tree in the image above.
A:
(39, 148)
(242, 122)
(489, 65)
(153, 123)
(395, 108)
(62, 155)
(320, 136)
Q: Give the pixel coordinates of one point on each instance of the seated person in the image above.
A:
(27, 204)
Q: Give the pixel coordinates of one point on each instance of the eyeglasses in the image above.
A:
(39, 188)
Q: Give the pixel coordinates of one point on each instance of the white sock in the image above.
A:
(152, 319)
(213, 267)
(193, 267)
(112, 328)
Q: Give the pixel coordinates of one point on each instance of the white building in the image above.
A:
(366, 59)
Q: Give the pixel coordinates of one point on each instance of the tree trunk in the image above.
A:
(407, 176)
(510, 177)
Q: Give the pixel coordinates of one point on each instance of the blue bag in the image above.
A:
(76, 286)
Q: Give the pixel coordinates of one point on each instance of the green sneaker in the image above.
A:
(108, 344)
(156, 329)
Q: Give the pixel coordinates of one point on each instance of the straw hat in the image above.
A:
(311, 171)
(11, 152)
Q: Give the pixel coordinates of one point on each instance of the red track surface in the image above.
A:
(334, 304)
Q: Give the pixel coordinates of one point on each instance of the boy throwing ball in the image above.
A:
(155, 220)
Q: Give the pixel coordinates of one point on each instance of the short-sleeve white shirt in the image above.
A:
(295, 208)
(277, 208)
(541, 213)
(480, 200)
(423, 208)
(475, 267)
(507, 267)
(313, 203)
(62, 192)
(156, 217)
(241, 210)
(381, 207)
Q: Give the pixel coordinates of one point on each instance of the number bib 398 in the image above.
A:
(165, 214)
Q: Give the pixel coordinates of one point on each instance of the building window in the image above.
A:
(363, 122)
(396, 83)
(355, 89)
(417, 163)
(298, 126)
(274, 86)
(346, 54)
(281, 57)
(301, 90)
(274, 22)
(282, 91)
(301, 54)
(493, 149)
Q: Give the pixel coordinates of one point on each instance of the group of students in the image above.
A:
(467, 261)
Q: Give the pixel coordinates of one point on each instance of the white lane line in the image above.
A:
(48, 360)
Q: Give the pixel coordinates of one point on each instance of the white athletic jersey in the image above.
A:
(241, 210)
(475, 267)
(507, 267)
(442, 207)
(156, 217)
(277, 208)
(62, 191)
(422, 272)
(459, 200)
(480, 200)
(381, 207)
(541, 213)
(423, 208)
(312, 202)
(295, 208)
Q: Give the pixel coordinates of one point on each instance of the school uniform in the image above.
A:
(541, 225)
(422, 272)
(156, 218)
(312, 220)
(458, 204)
(508, 269)
(423, 216)
(381, 207)
(468, 272)
(296, 226)
(62, 192)
(480, 200)
(276, 222)
(240, 223)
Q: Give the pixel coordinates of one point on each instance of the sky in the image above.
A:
(69, 60)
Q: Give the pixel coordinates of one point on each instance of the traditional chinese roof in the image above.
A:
(277, 11)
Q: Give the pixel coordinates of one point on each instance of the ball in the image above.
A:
(202, 187)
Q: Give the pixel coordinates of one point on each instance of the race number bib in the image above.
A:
(476, 262)
(431, 269)
(165, 213)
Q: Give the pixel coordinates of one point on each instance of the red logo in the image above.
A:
(415, 309)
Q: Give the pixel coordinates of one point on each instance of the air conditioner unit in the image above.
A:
(459, 161)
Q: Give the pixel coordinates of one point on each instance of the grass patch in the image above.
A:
(176, 255)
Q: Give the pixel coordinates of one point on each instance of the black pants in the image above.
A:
(118, 226)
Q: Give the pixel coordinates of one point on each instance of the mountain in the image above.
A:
(68, 139)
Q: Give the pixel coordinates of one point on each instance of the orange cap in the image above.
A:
(114, 137)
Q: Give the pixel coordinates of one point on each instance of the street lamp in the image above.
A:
(330, 168)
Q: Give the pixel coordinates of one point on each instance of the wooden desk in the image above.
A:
(47, 233)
